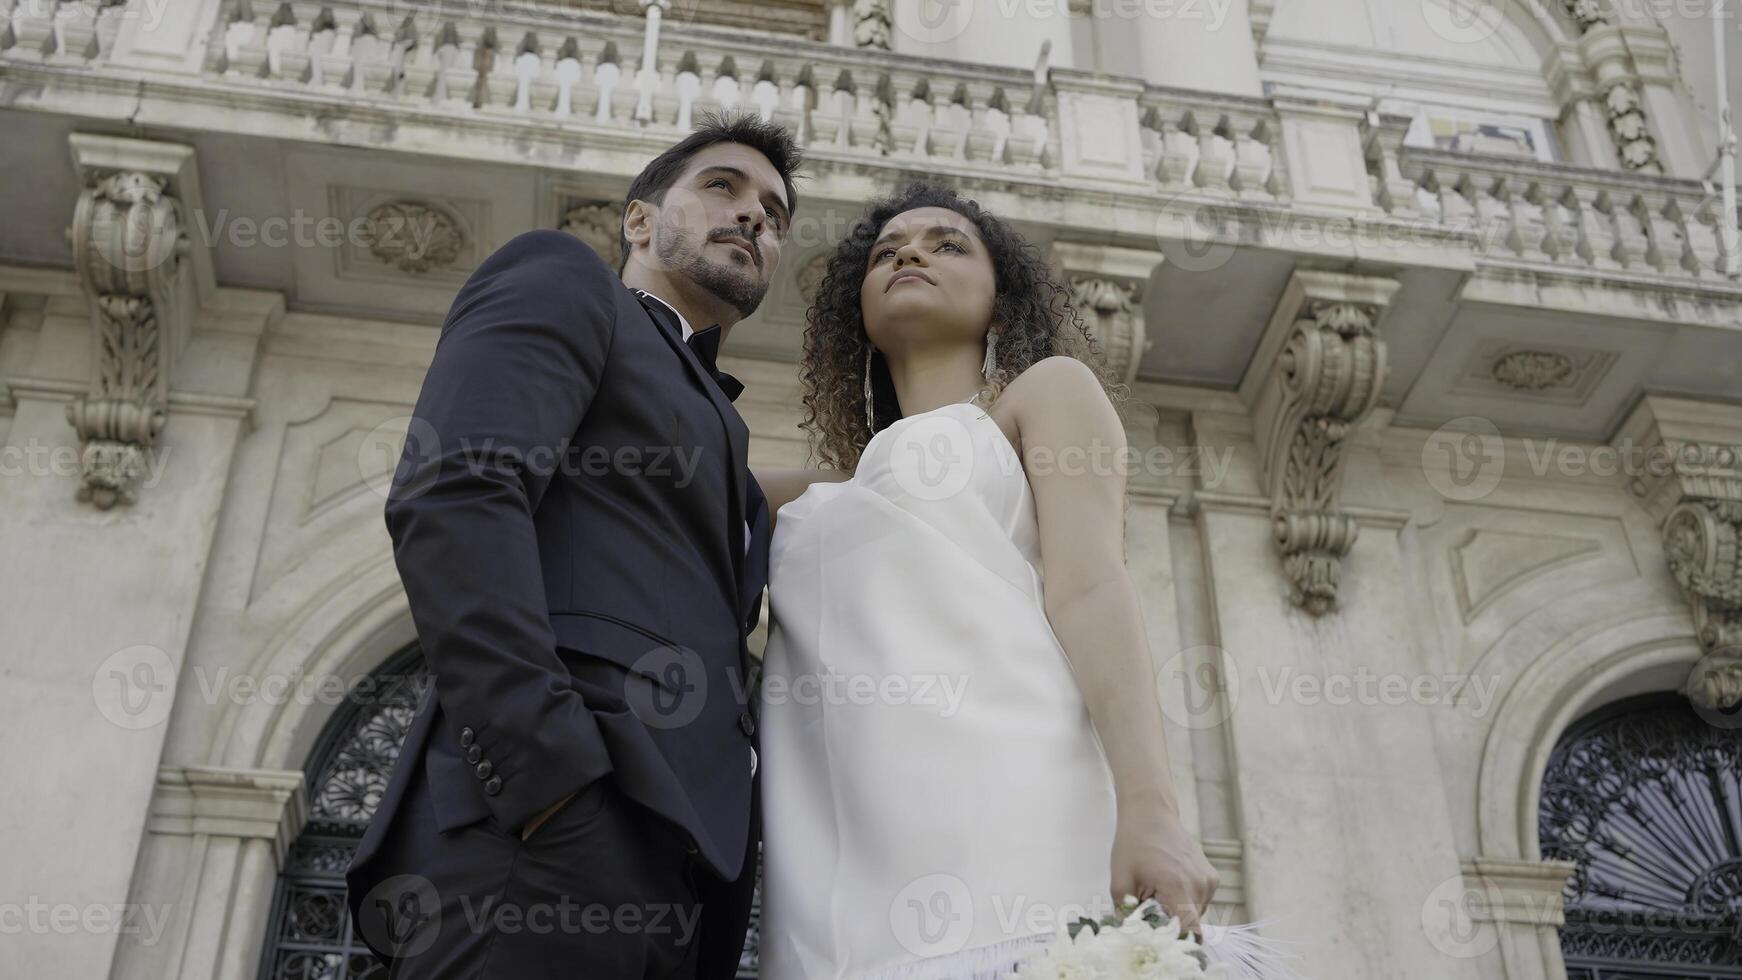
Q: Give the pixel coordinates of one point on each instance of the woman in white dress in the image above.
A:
(956, 760)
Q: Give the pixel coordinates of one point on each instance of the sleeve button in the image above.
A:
(467, 737)
(473, 754)
(484, 769)
(494, 786)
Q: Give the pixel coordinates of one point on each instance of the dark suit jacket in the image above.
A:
(568, 520)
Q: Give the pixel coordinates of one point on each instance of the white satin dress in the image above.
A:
(935, 798)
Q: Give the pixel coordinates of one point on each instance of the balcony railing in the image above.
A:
(1575, 218)
(555, 70)
(570, 68)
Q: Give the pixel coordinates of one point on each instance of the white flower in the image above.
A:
(1134, 950)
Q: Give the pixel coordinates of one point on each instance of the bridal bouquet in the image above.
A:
(1139, 942)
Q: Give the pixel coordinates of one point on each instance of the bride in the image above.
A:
(956, 760)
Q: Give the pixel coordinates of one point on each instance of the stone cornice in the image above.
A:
(223, 802)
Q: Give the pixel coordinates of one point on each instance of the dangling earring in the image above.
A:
(870, 418)
(991, 363)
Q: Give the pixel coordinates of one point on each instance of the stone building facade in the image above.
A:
(1436, 398)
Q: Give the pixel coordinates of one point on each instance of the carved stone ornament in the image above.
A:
(1534, 370)
(413, 236)
(1702, 541)
(873, 24)
(1327, 378)
(1107, 284)
(127, 245)
(1633, 140)
(1587, 13)
(597, 224)
(1111, 308)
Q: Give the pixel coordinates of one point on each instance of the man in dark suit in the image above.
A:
(584, 551)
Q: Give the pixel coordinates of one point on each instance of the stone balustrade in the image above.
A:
(1575, 218)
(559, 73)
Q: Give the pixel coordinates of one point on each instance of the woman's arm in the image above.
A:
(782, 485)
(1073, 448)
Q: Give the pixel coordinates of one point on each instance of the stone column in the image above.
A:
(234, 830)
(1513, 909)
(1684, 461)
(99, 601)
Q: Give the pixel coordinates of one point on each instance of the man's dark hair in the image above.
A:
(767, 138)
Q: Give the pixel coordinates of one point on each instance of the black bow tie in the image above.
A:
(705, 344)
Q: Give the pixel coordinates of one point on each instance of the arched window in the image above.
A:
(309, 934)
(1645, 798)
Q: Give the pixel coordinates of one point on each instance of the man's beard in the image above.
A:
(738, 287)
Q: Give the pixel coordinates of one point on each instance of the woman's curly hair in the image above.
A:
(1031, 313)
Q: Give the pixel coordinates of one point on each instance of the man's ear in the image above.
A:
(638, 223)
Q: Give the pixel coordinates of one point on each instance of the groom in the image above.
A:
(584, 551)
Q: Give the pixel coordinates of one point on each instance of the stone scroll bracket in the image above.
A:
(134, 247)
(1685, 464)
(1107, 286)
(1317, 373)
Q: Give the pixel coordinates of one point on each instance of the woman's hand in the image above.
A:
(1154, 856)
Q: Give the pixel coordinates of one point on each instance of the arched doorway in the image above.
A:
(1644, 796)
(309, 933)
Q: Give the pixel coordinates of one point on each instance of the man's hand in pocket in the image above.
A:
(538, 821)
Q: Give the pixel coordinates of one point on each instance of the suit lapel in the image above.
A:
(756, 563)
(737, 434)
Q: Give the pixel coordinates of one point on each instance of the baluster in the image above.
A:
(913, 120)
(1180, 150)
(75, 33)
(1700, 252)
(1560, 222)
(283, 40)
(1631, 242)
(527, 65)
(108, 25)
(995, 128)
(321, 42)
(606, 77)
(1663, 244)
(1490, 217)
(1595, 229)
(765, 94)
(399, 55)
(1030, 131)
(1215, 155)
(1253, 161)
(687, 84)
(726, 92)
(367, 49)
(865, 126)
(245, 42)
(939, 139)
(32, 31)
(834, 122)
(801, 106)
(567, 74)
(1527, 229)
